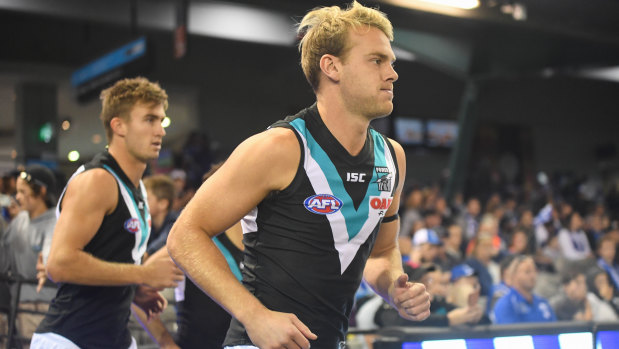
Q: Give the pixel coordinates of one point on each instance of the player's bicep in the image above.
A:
(86, 201)
(262, 164)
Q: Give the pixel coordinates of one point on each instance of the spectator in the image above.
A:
(425, 247)
(598, 284)
(480, 259)
(450, 254)
(160, 195)
(502, 288)
(377, 313)
(520, 304)
(470, 220)
(607, 248)
(36, 194)
(573, 240)
(572, 304)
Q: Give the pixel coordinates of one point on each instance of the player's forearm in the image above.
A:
(82, 268)
(382, 270)
(192, 250)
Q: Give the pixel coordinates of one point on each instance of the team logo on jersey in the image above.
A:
(380, 204)
(384, 178)
(323, 204)
(132, 225)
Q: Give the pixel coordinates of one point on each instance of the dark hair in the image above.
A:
(570, 274)
(38, 177)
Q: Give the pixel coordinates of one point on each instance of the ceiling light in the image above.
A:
(463, 4)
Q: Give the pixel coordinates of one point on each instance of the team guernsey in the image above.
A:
(306, 246)
(97, 316)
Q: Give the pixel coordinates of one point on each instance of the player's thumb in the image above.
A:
(401, 281)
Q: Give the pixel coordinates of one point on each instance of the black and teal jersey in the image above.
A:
(306, 246)
(97, 316)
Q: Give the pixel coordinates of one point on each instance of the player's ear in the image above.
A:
(118, 126)
(330, 66)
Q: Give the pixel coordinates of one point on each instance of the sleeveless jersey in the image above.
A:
(306, 246)
(97, 316)
(202, 323)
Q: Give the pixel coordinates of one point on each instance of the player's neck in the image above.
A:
(350, 130)
(132, 167)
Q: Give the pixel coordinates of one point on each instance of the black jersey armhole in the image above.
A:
(395, 162)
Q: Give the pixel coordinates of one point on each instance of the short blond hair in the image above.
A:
(126, 93)
(325, 30)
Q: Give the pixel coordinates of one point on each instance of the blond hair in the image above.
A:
(118, 100)
(325, 31)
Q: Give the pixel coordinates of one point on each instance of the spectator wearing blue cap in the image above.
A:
(465, 288)
(425, 247)
(520, 304)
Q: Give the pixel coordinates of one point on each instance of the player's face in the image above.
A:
(367, 75)
(144, 131)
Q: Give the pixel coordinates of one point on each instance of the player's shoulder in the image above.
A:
(92, 181)
(274, 140)
(397, 147)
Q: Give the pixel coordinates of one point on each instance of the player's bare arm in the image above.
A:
(88, 198)
(263, 163)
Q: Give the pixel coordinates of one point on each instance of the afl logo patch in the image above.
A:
(132, 225)
(323, 204)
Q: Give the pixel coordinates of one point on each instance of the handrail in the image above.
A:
(15, 279)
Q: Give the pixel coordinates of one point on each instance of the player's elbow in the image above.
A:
(173, 242)
(53, 271)
(56, 269)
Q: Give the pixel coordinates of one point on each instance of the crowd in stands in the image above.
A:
(544, 252)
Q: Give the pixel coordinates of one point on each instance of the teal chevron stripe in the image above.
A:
(355, 219)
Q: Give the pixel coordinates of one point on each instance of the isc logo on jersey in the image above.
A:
(132, 225)
(323, 204)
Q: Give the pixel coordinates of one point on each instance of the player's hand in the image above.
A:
(41, 274)
(410, 299)
(149, 300)
(162, 271)
(275, 330)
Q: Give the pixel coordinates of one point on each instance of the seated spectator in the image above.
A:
(573, 240)
(572, 304)
(377, 313)
(607, 248)
(160, 192)
(526, 226)
(483, 249)
(520, 304)
(598, 284)
(469, 220)
(425, 247)
(450, 255)
(465, 288)
(518, 243)
(502, 288)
